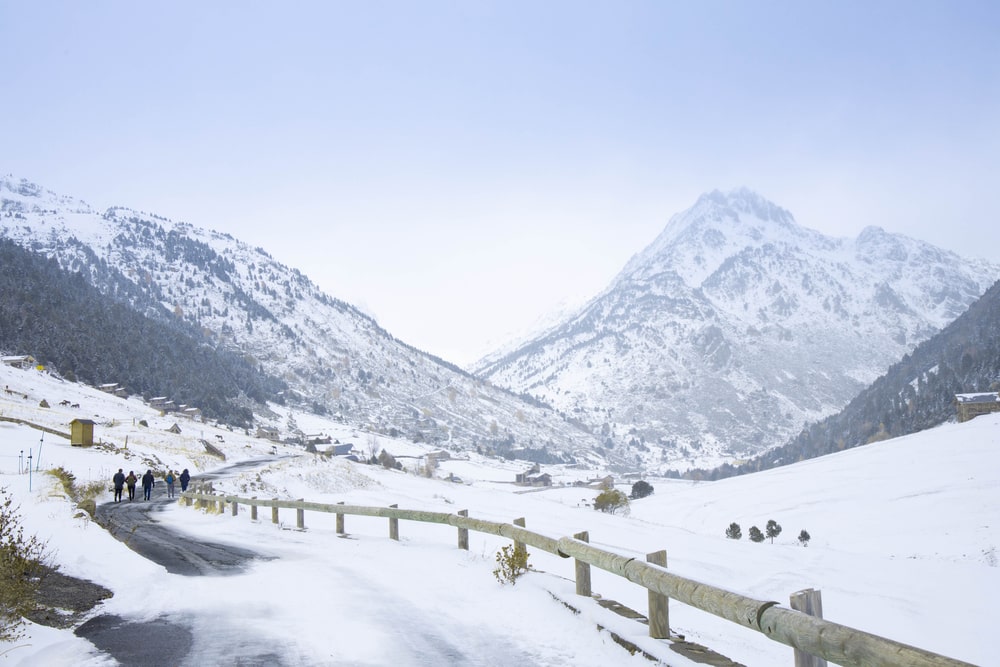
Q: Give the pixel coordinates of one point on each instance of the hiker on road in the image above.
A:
(119, 481)
(130, 483)
(147, 484)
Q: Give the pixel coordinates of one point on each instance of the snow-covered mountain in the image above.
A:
(335, 359)
(736, 327)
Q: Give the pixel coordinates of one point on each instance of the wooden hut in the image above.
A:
(81, 432)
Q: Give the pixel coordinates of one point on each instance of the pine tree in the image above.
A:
(804, 538)
(756, 535)
(641, 489)
(773, 529)
(734, 532)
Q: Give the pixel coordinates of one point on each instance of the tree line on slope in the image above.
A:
(67, 323)
(915, 394)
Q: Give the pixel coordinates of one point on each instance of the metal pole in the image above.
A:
(29, 470)
(41, 442)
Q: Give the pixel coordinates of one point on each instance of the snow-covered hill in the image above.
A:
(736, 327)
(336, 360)
(903, 545)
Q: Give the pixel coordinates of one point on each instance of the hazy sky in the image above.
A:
(457, 169)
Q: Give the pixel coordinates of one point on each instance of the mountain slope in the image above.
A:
(333, 358)
(734, 328)
(915, 394)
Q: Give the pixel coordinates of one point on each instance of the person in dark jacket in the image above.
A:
(130, 483)
(147, 484)
(185, 478)
(119, 481)
(169, 479)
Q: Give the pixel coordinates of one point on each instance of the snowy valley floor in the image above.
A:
(903, 545)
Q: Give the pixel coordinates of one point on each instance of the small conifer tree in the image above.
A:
(773, 529)
(756, 535)
(734, 532)
(804, 537)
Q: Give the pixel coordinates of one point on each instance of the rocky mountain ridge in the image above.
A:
(736, 327)
(334, 359)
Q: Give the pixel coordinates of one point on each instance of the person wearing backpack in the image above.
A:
(130, 483)
(169, 479)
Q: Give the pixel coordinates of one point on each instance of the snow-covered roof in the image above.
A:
(983, 397)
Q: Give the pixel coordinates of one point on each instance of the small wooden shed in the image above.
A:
(81, 432)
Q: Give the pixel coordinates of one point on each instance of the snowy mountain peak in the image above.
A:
(736, 327)
(697, 241)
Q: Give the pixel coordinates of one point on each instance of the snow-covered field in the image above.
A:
(903, 545)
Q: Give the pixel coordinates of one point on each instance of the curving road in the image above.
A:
(134, 523)
(138, 644)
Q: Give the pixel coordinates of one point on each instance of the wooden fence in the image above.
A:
(814, 639)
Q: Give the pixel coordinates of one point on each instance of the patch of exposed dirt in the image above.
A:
(62, 601)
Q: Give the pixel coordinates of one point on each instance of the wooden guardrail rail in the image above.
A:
(811, 636)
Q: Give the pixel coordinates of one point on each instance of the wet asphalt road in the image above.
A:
(168, 641)
(134, 523)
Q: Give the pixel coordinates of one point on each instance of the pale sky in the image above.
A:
(458, 169)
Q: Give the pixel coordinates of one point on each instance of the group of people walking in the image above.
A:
(122, 481)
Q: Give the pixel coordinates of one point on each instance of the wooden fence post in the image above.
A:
(253, 510)
(463, 533)
(236, 508)
(519, 545)
(583, 570)
(340, 520)
(808, 601)
(221, 504)
(393, 526)
(300, 517)
(659, 604)
(274, 512)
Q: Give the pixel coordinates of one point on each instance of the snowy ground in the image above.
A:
(903, 545)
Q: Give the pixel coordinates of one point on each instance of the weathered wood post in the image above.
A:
(463, 533)
(236, 507)
(808, 601)
(274, 512)
(583, 570)
(253, 510)
(340, 520)
(519, 545)
(300, 517)
(393, 526)
(220, 505)
(659, 604)
(200, 502)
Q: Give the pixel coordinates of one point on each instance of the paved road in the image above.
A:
(169, 641)
(134, 523)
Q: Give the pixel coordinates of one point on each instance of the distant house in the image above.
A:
(268, 433)
(973, 405)
(81, 432)
(192, 413)
(174, 429)
(544, 479)
(114, 389)
(22, 361)
(604, 483)
(342, 450)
